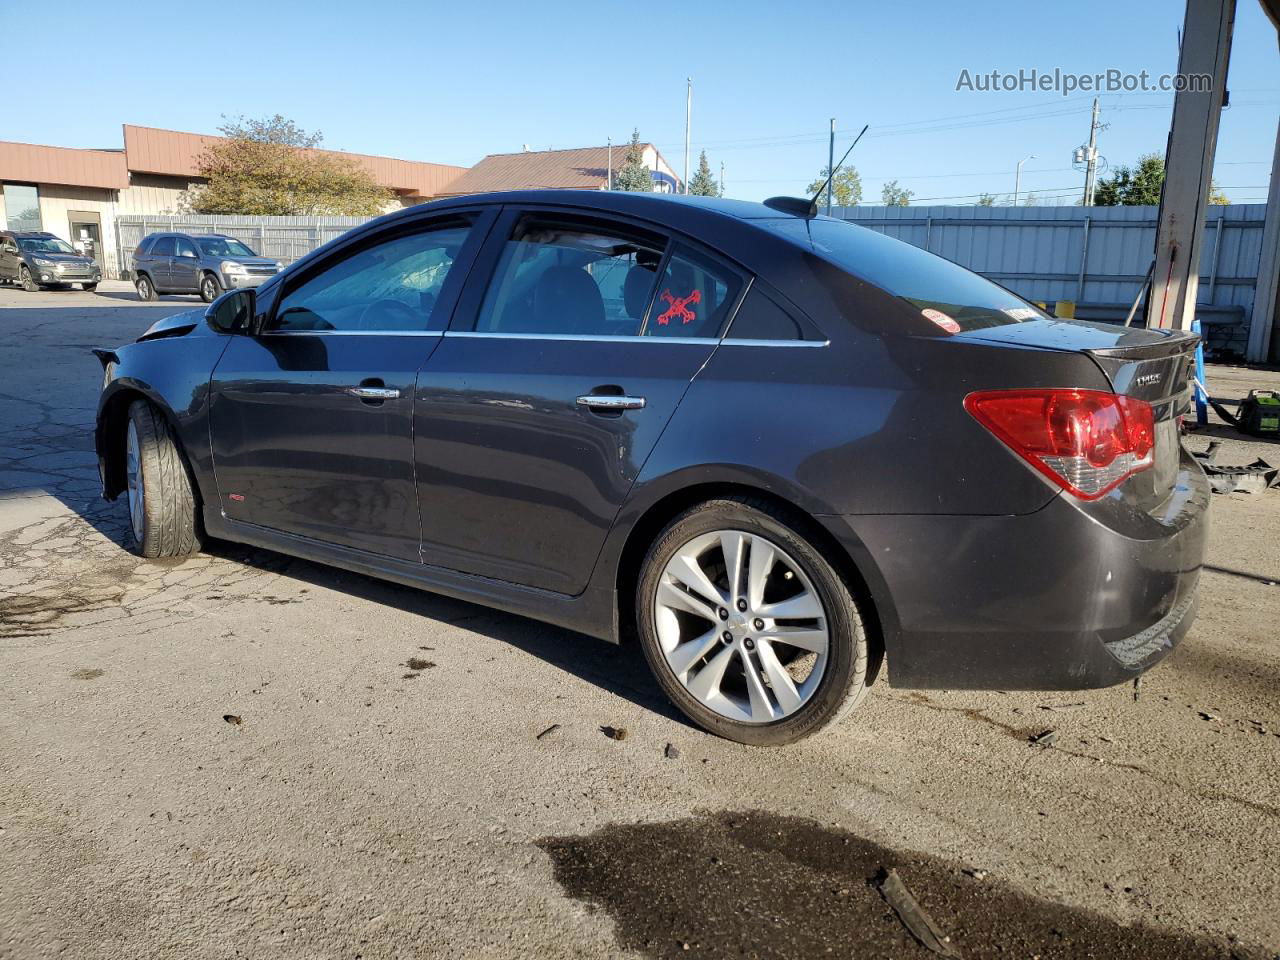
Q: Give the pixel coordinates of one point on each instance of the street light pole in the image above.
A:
(688, 116)
(1017, 178)
(831, 162)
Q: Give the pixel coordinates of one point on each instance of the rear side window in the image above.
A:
(390, 287)
(569, 278)
(945, 293)
(759, 318)
(695, 295)
(163, 247)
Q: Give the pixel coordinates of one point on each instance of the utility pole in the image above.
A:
(1017, 178)
(831, 164)
(609, 172)
(688, 117)
(1091, 158)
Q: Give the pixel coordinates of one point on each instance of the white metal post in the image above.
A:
(1264, 337)
(688, 119)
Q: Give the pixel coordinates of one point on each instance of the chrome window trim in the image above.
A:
(747, 342)
(351, 333)
(603, 338)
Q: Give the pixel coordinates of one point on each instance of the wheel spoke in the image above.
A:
(813, 639)
(761, 706)
(803, 606)
(673, 596)
(733, 545)
(763, 557)
(780, 682)
(683, 657)
(685, 568)
(706, 682)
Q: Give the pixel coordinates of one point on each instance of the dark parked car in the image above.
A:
(777, 449)
(207, 265)
(34, 260)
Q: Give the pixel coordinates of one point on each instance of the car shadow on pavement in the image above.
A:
(161, 299)
(620, 670)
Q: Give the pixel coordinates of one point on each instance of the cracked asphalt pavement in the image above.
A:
(245, 755)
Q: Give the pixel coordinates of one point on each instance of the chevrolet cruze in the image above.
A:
(778, 450)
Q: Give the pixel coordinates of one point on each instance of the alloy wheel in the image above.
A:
(133, 472)
(209, 288)
(741, 626)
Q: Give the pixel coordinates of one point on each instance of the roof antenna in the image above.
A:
(809, 208)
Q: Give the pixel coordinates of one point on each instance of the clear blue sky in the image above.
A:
(453, 82)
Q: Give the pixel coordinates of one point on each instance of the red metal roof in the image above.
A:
(581, 168)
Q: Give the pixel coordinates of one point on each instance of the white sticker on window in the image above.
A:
(941, 319)
(1020, 313)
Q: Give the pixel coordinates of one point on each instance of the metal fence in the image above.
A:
(284, 238)
(1096, 256)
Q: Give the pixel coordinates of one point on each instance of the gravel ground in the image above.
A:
(245, 755)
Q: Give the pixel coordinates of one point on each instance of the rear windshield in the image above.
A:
(950, 296)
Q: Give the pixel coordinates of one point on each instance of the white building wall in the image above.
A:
(56, 203)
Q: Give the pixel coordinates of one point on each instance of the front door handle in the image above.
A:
(374, 393)
(610, 403)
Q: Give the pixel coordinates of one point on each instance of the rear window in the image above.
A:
(952, 297)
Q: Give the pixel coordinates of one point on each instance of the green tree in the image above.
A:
(895, 196)
(1141, 185)
(846, 188)
(273, 167)
(633, 176)
(702, 183)
(987, 200)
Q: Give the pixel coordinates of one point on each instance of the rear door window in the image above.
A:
(695, 296)
(565, 277)
(945, 293)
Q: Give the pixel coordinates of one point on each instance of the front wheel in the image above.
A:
(146, 290)
(88, 287)
(162, 502)
(746, 625)
(29, 282)
(210, 288)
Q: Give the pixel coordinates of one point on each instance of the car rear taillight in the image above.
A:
(1085, 441)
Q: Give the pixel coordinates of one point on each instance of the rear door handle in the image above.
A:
(374, 393)
(610, 402)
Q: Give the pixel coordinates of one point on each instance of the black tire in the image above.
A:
(168, 522)
(210, 288)
(28, 281)
(146, 289)
(88, 287)
(844, 682)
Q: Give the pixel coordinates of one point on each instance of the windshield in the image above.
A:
(953, 298)
(45, 245)
(224, 247)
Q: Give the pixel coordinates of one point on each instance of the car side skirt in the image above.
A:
(591, 612)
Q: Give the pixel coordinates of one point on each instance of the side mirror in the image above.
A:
(233, 312)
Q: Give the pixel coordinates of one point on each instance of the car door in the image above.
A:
(8, 258)
(311, 421)
(565, 360)
(158, 260)
(184, 267)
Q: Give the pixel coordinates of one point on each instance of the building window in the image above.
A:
(21, 207)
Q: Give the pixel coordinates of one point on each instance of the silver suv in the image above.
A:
(207, 265)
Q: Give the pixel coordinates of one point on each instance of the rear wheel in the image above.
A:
(210, 288)
(28, 281)
(146, 289)
(747, 627)
(162, 503)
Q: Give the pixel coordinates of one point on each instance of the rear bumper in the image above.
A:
(1073, 596)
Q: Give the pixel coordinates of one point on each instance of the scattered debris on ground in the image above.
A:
(547, 732)
(671, 752)
(417, 663)
(1045, 738)
(614, 733)
(232, 719)
(913, 916)
(1254, 477)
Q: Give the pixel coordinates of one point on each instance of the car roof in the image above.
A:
(28, 233)
(659, 205)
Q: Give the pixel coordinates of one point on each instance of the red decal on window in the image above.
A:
(237, 497)
(679, 307)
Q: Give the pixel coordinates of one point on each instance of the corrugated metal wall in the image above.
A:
(284, 238)
(1087, 254)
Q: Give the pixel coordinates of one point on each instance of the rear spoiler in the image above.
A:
(1177, 342)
